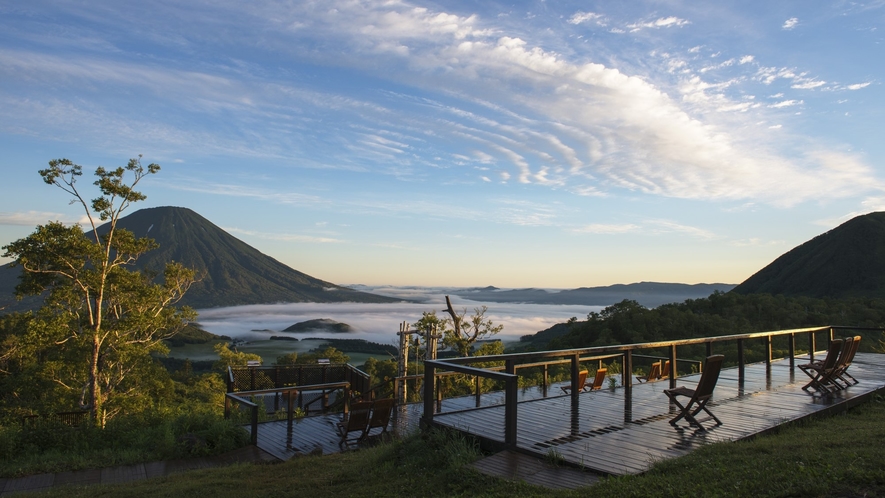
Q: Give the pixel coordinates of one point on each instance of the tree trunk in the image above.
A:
(96, 409)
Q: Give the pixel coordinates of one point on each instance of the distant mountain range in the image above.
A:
(844, 262)
(232, 272)
(847, 261)
(648, 294)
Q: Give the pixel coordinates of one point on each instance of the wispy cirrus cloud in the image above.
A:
(662, 22)
(34, 218)
(477, 92)
(790, 23)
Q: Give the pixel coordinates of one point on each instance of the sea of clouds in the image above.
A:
(380, 322)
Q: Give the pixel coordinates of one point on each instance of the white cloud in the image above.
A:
(666, 226)
(663, 22)
(608, 229)
(539, 116)
(283, 236)
(790, 23)
(582, 17)
(858, 86)
(34, 218)
(786, 103)
(746, 59)
(809, 84)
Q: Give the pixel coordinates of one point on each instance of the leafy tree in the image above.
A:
(231, 358)
(465, 331)
(333, 355)
(100, 320)
(288, 359)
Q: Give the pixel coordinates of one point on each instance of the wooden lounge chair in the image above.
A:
(665, 370)
(653, 374)
(381, 411)
(356, 421)
(821, 372)
(582, 381)
(698, 397)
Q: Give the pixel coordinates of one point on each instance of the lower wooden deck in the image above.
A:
(619, 432)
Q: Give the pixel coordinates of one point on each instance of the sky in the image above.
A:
(515, 144)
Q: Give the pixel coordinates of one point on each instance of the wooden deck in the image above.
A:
(609, 432)
(613, 433)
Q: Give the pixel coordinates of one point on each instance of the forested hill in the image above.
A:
(629, 322)
(232, 272)
(848, 261)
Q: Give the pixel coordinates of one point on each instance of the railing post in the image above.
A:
(740, 361)
(709, 346)
(811, 345)
(791, 347)
(767, 352)
(627, 374)
(429, 371)
(672, 366)
(478, 393)
(255, 425)
(226, 407)
(290, 408)
(439, 395)
(511, 388)
(576, 388)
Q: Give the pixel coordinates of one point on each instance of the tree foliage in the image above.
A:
(100, 319)
(465, 331)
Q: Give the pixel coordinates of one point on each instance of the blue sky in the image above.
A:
(523, 144)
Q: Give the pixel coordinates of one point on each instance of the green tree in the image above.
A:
(332, 354)
(465, 331)
(103, 318)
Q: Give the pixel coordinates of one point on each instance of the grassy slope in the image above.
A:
(837, 456)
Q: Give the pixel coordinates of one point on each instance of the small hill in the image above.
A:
(232, 272)
(847, 261)
(320, 325)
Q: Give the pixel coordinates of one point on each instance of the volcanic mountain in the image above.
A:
(231, 271)
(847, 261)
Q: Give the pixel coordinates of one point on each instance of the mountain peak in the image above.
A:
(846, 261)
(231, 272)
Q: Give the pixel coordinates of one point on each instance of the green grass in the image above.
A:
(835, 456)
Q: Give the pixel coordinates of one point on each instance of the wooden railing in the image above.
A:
(513, 362)
(289, 394)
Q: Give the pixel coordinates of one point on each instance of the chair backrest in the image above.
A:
(854, 345)
(582, 378)
(599, 379)
(832, 354)
(709, 377)
(358, 417)
(381, 411)
(845, 352)
(665, 370)
(655, 372)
